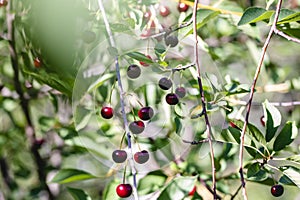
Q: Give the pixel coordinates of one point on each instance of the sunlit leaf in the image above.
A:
(286, 136)
(71, 175)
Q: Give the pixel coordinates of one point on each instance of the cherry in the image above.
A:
(119, 156)
(107, 112)
(182, 7)
(165, 83)
(37, 62)
(124, 190)
(172, 99)
(171, 40)
(88, 36)
(133, 71)
(39, 142)
(3, 3)
(141, 157)
(146, 33)
(145, 113)
(137, 127)
(164, 11)
(145, 64)
(277, 190)
(180, 91)
(263, 120)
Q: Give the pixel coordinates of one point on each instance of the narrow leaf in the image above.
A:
(255, 133)
(273, 120)
(78, 194)
(286, 136)
(294, 175)
(140, 57)
(254, 14)
(71, 175)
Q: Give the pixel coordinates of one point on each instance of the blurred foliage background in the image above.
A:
(50, 53)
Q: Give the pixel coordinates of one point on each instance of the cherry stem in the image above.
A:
(203, 100)
(122, 140)
(122, 94)
(112, 89)
(258, 69)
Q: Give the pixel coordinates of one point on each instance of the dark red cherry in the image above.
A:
(277, 190)
(107, 112)
(137, 127)
(124, 190)
(182, 7)
(164, 11)
(180, 91)
(165, 83)
(145, 113)
(119, 156)
(147, 16)
(141, 157)
(172, 99)
(133, 71)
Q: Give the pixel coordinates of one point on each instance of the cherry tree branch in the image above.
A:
(203, 101)
(282, 34)
(122, 96)
(258, 69)
(30, 131)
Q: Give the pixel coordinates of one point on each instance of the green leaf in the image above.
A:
(254, 14)
(178, 125)
(100, 81)
(78, 194)
(117, 27)
(236, 133)
(273, 120)
(256, 173)
(140, 57)
(255, 133)
(293, 174)
(151, 182)
(286, 136)
(178, 188)
(71, 175)
(202, 18)
(109, 191)
(290, 18)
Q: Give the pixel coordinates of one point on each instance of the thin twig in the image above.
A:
(236, 193)
(203, 182)
(30, 132)
(278, 104)
(122, 96)
(203, 101)
(282, 34)
(258, 69)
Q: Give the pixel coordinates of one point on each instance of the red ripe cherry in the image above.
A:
(37, 62)
(124, 190)
(172, 99)
(119, 156)
(263, 120)
(107, 112)
(277, 190)
(145, 64)
(137, 127)
(182, 7)
(133, 71)
(145, 113)
(3, 3)
(165, 83)
(141, 157)
(180, 91)
(164, 11)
